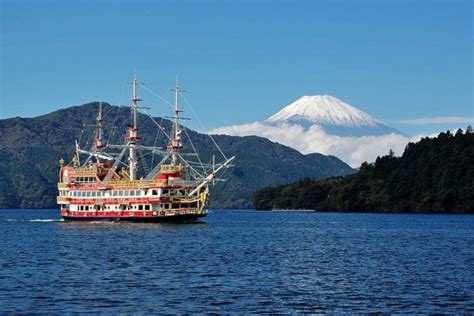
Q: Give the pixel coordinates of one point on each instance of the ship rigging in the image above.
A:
(106, 184)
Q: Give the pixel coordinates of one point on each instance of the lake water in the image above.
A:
(239, 262)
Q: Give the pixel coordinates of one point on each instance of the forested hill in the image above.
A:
(434, 175)
(30, 149)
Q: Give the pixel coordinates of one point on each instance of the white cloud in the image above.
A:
(352, 150)
(438, 120)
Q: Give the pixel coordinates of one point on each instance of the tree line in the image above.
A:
(434, 175)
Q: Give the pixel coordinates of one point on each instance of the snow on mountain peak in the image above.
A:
(323, 110)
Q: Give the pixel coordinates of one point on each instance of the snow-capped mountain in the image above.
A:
(333, 115)
(324, 124)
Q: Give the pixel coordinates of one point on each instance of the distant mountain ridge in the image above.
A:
(31, 148)
(333, 115)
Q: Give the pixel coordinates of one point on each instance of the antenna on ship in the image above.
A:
(132, 136)
(175, 143)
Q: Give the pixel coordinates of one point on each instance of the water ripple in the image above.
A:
(239, 262)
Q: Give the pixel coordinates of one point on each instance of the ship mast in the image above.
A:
(133, 131)
(175, 144)
(99, 144)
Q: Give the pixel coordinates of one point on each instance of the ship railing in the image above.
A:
(172, 168)
(62, 199)
(184, 183)
(88, 171)
(133, 183)
(184, 199)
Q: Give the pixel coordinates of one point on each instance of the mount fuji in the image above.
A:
(324, 124)
(333, 115)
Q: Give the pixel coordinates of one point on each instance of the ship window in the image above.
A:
(154, 192)
(120, 193)
(93, 194)
(194, 204)
(140, 207)
(88, 194)
(137, 193)
(114, 193)
(167, 206)
(175, 205)
(132, 193)
(165, 192)
(147, 207)
(181, 192)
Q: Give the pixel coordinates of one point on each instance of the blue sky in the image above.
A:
(242, 61)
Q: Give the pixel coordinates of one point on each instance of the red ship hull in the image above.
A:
(155, 219)
(135, 217)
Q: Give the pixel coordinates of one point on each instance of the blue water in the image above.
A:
(239, 262)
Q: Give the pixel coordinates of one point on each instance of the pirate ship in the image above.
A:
(102, 183)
